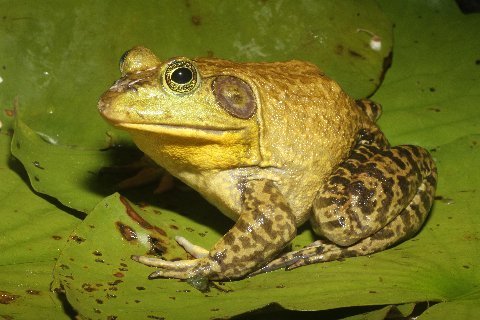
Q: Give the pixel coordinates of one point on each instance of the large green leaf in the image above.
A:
(429, 97)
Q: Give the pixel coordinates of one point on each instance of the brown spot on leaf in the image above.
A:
(339, 49)
(160, 231)
(126, 231)
(64, 267)
(32, 292)
(196, 20)
(77, 239)
(134, 215)
(88, 287)
(114, 283)
(9, 112)
(55, 237)
(355, 54)
(156, 246)
(7, 297)
(119, 274)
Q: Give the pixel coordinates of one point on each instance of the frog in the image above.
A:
(272, 145)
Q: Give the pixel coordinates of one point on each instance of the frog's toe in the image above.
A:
(149, 261)
(302, 262)
(180, 269)
(318, 251)
(283, 262)
(161, 263)
(194, 250)
(163, 273)
(177, 273)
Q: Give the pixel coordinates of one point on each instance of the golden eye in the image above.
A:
(181, 76)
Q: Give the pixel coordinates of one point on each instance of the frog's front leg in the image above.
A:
(376, 198)
(264, 228)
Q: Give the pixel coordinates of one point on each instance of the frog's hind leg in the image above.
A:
(404, 226)
(375, 199)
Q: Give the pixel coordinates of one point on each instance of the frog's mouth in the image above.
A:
(185, 131)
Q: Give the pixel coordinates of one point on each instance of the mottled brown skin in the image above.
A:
(271, 145)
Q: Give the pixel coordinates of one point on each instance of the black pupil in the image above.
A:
(182, 75)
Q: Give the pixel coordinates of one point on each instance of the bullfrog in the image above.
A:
(271, 145)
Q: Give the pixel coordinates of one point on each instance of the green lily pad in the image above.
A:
(429, 96)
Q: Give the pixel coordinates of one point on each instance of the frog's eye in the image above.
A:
(181, 76)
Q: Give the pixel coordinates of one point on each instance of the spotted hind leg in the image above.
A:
(403, 227)
(375, 199)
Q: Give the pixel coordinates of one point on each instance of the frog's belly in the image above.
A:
(221, 189)
(225, 190)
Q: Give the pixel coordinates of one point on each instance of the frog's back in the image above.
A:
(304, 113)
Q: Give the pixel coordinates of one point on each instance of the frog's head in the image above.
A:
(183, 113)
